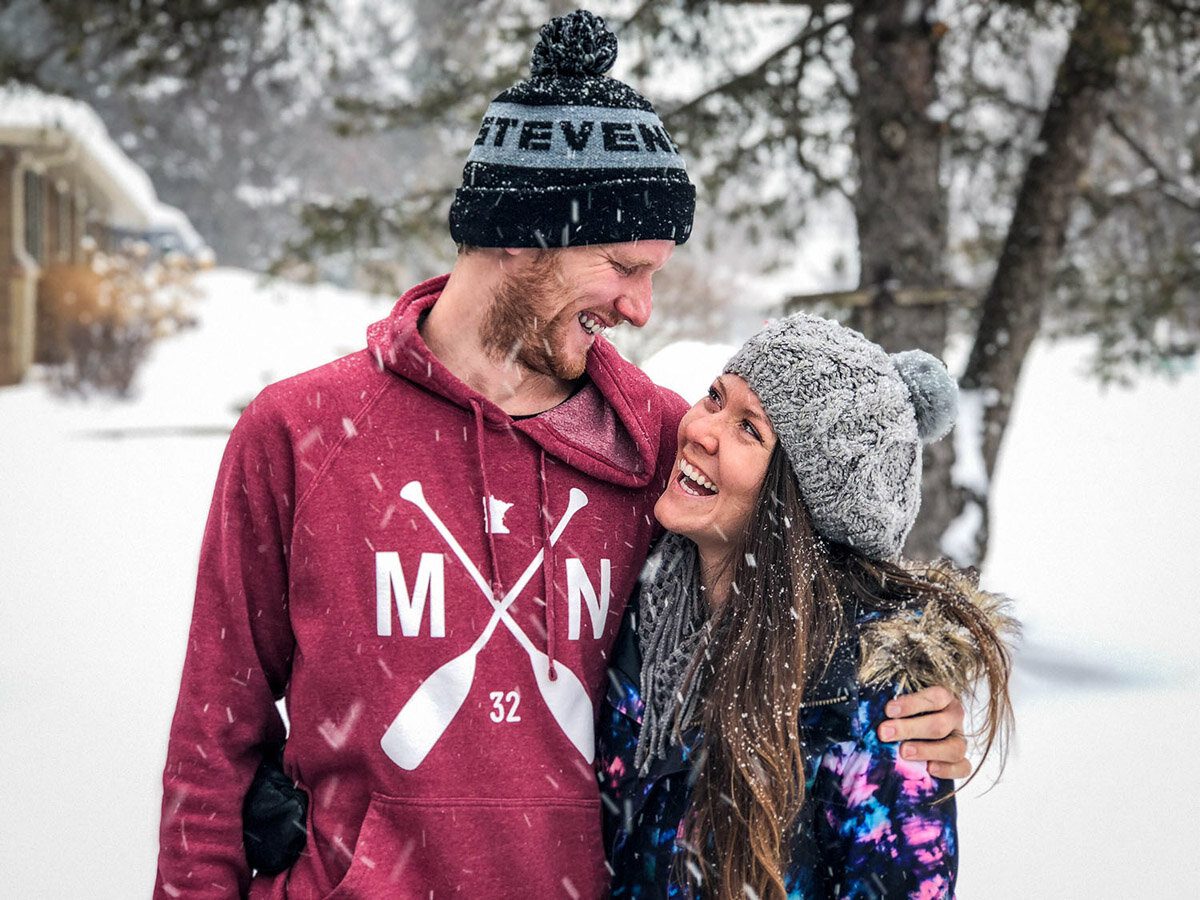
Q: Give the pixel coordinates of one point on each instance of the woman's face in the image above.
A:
(725, 442)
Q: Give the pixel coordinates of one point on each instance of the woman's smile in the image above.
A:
(693, 482)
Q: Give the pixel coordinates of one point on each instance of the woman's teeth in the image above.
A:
(590, 325)
(690, 473)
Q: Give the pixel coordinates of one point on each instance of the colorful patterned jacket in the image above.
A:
(869, 827)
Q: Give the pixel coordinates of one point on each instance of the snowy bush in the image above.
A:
(98, 320)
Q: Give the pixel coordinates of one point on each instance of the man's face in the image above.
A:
(552, 304)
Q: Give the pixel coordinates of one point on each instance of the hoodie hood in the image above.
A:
(610, 430)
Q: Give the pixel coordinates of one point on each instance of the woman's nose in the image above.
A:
(702, 432)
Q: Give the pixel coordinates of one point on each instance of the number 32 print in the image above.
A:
(498, 713)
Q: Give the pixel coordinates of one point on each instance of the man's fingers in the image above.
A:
(929, 722)
(956, 771)
(933, 699)
(951, 750)
(931, 727)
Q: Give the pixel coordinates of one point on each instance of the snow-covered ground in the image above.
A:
(102, 506)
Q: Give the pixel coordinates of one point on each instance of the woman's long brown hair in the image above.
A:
(773, 637)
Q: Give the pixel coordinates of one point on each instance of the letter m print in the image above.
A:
(430, 584)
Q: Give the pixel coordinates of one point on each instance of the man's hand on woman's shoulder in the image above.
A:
(930, 723)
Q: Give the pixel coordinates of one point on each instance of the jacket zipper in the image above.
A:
(828, 702)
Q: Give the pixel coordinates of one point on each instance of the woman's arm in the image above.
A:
(878, 829)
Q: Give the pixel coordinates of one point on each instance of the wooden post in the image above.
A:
(78, 205)
(18, 275)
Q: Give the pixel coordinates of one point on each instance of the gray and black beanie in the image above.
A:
(851, 418)
(572, 156)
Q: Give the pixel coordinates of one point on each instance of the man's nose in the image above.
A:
(635, 304)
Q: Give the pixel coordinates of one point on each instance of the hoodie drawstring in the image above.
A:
(497, 587)
(547, 563)
(548, 550)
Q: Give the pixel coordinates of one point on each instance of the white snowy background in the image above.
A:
(102, 505)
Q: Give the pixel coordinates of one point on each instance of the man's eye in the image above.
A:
(621, 270)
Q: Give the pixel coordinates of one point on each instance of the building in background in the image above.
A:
(63, 179)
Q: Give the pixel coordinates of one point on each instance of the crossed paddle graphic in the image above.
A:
(437, 700)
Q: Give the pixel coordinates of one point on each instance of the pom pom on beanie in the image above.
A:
(934, 393)
(572, 156)
(578, 44)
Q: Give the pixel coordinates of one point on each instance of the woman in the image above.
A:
(774, 624)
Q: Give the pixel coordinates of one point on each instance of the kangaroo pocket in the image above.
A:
(477, 847)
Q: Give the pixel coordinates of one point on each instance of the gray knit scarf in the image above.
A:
(672, 636)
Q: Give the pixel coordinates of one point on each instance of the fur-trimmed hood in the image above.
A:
(919, 648)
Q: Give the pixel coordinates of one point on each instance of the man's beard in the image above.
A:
(522, 325)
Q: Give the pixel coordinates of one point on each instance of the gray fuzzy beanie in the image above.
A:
(851, 418)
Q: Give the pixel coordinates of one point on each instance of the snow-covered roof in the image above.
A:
(71, 130)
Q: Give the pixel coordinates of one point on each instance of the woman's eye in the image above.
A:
(751, 430)
(714, 396)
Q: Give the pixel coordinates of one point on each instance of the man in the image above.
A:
(426, 546)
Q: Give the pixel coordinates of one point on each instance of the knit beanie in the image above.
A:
(852, 419)
(572, 156)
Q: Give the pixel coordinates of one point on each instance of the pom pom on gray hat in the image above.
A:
(934, 393)
(579, 44)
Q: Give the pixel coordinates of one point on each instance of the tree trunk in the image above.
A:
(900, 207)
(1012, 308)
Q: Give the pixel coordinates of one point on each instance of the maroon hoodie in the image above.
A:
(434, 587)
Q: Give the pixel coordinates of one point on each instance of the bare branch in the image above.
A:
(810, 32)
(1174, 190)
(899, 296)
(817, 6)
(633, 18)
